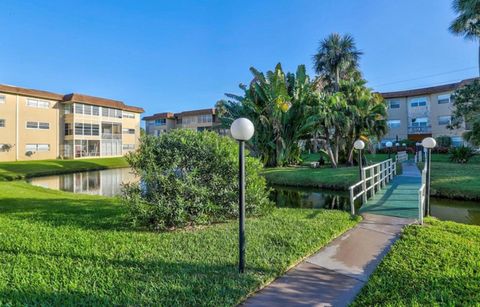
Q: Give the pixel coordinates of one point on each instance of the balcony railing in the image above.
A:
(420, 130)
(110, 136)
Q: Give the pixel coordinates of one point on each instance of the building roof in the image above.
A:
(29, 92)
(159, 116)
(427, 90)
(196, 112)
(98, 101)
(180, 115)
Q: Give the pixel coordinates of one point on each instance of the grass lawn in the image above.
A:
(24, 169)
(58, 248)
(438, 264)
(453, 180)
(325, 177)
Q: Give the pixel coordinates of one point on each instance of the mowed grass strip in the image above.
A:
(437, 264)
(23, 169)
(63, 249)
(454, 180)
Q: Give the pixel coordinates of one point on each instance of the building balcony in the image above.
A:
(420, 130)
(110, 136)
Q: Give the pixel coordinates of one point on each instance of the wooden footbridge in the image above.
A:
(383, 192)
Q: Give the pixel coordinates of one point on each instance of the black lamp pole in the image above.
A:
(241, 209)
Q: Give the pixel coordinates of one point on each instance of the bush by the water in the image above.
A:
(461, 154)
(190, 178)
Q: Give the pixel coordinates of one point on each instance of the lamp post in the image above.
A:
(242, 130)
(389, 146)
(359, 145)
(428, 143)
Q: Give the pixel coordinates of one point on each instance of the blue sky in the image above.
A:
(180, 55)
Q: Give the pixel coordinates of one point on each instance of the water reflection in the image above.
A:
(467, 212)
(105, 182)
(109, 183)
(295, 197)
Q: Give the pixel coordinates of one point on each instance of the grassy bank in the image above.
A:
(23, 169)
(453, 180)
(324, 177)
(61, 249)
(437, 264)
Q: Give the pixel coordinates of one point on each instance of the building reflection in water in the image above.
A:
(104, 182)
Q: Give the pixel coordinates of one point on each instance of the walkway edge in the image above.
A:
(336, 273)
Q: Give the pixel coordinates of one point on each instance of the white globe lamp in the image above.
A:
(242, 129)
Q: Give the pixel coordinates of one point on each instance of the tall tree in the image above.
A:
(276, 103)
(337, 59)
(466, 102)
(467, 23)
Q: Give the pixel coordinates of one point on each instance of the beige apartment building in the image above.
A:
(38, 125)
(198, 120)
(423, 112)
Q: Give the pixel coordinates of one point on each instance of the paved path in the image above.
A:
(335, 274)
(400, 197)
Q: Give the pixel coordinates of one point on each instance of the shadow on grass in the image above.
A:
(135, 282)
(83, 213)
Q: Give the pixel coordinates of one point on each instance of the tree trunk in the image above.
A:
(337, 79)
(350, 156)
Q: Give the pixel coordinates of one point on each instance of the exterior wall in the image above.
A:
(16, 113)
(398, 114)
(8, 134)
(153, 129)
(432, 111)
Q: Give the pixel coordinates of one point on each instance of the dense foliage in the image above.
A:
(466, 101)
(287, 110)
(277, 104)
(467, 22)
(190, 178)
(461, 154)
(444, 141)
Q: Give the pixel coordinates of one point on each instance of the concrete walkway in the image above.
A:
(335, 274)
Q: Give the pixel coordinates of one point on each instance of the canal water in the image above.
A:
(109, 183)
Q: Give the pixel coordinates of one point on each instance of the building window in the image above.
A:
(95, 110)
(67, 108)
(87, 109)
(108, 112)
(420, 122)
(443, 99)
(2, 123)
(393, 123)
(394, 104)
(418, 102)
(44, 126)
(68, 129)
(37, 147)
(2, 98)
(38, 125)
(128, 131)
(37, 103)
(444, 120)
(160, 122)
(87, 129)
(457, 141)
(128, 115)
(128, 146)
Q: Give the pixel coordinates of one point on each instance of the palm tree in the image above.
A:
(276, 104)
(336, 59)
(467, 23)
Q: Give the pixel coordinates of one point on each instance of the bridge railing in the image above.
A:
(401, 156)
(373, 178)
(422, 195)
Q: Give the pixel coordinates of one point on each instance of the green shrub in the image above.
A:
(190, 178)
(461, 154)
(444, 141)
